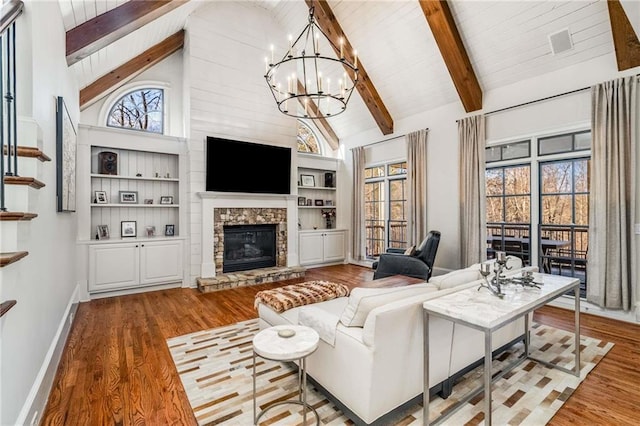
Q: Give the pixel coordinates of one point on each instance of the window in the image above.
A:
(385, 207)
(541, 195)
(307, 141)
(141, 109)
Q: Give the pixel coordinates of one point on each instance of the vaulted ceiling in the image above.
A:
(418, 55)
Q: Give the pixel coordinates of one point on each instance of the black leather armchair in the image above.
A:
(417, 265)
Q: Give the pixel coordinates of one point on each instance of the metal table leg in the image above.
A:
(425, 369)
(576, 293)
(487, 377)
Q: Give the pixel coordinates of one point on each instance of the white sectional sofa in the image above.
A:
(370, 357)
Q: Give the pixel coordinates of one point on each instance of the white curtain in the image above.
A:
(357, 218)
(416, 187)
(611, 257)
(473, 243)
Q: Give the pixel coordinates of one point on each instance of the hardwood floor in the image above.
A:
(116, 368)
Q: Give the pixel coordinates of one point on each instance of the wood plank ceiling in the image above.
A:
(505, 42)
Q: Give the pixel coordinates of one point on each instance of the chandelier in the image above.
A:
(321, 84)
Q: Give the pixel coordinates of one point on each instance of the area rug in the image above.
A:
(215, 367)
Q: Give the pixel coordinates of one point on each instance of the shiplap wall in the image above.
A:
(228, 96)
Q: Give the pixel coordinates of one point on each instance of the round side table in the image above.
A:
(286, 343)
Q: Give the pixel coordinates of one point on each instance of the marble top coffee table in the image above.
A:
(286, 343)
(481, 310)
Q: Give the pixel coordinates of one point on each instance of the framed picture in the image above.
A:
(128, 228)
(328, 203)
(66, 140)
(318, 202)
(101, 197)
(169, 230)
(302, 201)
(151, 231)
(307, 180)
(103, 232)
(166, 199)
(309, 202)
(148, 200)
(128, 197)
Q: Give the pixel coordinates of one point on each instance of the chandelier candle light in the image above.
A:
(304, 75)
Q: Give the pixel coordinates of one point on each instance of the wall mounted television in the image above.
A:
(238, 166)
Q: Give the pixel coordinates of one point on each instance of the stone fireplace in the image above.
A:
(234, 209)
(246, 223)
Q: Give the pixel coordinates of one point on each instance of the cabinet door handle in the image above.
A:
(136, 246)
(142, 245)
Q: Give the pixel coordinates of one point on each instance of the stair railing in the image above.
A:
(8, 115)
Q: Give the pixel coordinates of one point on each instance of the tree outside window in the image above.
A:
(141, 109)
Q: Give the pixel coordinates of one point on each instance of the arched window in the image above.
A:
(140, 109)
(307, 141)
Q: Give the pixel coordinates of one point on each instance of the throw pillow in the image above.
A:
(410, 251)
(364, 300)
(456, 278)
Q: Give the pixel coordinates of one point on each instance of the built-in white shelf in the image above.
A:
(115, 240)
(145, 206)
(326, 188)
(155, 179)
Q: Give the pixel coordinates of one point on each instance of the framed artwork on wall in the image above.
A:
(66, 140)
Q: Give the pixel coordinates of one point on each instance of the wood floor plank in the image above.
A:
(116, 367)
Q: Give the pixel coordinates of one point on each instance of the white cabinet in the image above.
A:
(114, 266)
(322, 246)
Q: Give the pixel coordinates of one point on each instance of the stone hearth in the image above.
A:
(246, 278)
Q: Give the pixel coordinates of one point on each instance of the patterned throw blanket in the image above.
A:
(294, 295)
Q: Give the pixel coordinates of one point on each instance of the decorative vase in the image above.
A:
(329, 222)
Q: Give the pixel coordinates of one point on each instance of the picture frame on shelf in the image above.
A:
(307, 180)
(302, 201)
(128, 197)
(102, 232)
(128, 229)
(148, 200)
(169, 230)
(318, 203)
(328, 203)
(151, 231)
(166, 199)
(309, 202)
(100, 197)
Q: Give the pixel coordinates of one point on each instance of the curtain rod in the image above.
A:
(388, 139)
(539, 100)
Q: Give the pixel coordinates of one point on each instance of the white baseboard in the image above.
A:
(31, 411)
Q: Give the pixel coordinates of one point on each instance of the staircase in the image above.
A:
(16, 177)
(20, 193)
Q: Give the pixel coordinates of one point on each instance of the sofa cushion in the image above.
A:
(363, 300)
(455, 278)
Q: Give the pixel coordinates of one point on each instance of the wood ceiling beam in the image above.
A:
(625, 38)
(321, 123)
(327, 21)
(131, 69)
(104, 29)
(444, 30)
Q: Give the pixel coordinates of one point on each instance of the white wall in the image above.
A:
(168, 71)
(227, 42)
(43, 283)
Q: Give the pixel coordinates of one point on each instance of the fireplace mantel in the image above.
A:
(245, 196)
(230, 200)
